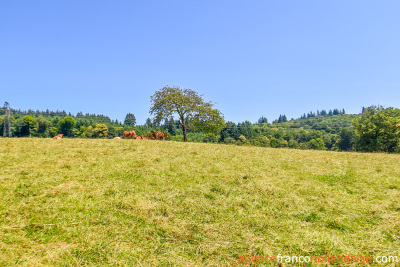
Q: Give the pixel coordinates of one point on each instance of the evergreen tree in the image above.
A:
(130, 119)
(262, 120)
(171, 127)
(282, 118)
(148, 122)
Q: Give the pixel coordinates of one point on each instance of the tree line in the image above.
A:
(184, 115)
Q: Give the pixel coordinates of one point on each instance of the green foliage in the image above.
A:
(192, 111)
(262, 141)
(262, 120)
(230, 130)
(282, 118)
(86, 132)
(29, 121)
(211, 138)
(378, 129)
(209, 121)
(171, 126)
(229, 140)
(100, 131)
(130, 119)
(30, 124)
(43, 127)
(53, 131)
(242, 139)
(316, 144)
(292, 143)
(66, 125)
(347, 138)
(284, 143)
(275, 142)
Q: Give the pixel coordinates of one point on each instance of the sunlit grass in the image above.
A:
(153, 203)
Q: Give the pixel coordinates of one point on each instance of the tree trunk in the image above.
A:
(184, 133)
(183, 124)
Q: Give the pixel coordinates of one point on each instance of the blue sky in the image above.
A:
(251, 58)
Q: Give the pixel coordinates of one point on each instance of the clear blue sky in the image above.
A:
(251, 58)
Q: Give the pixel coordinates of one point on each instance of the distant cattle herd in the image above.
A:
(132, 135)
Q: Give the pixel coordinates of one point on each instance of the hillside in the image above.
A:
(102, 202)
(329, 124)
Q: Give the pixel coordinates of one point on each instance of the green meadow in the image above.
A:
(82, 202)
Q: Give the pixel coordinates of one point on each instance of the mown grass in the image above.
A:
(75, 202)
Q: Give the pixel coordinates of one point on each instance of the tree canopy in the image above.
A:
(378, 129)
(66, 125)
(192, 111)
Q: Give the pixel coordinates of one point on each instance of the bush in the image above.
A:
(284, 143)
(317, 144)
(275, 142)
(242, 139)
(211, 138)
(292, 143)
(100, 131)
(262, 141)
(229, 140)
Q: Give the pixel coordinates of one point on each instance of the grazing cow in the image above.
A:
(130, 134)
(118, 137)
(159, 135)
(58, 136)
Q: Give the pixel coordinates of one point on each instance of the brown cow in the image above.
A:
(159, 135)
(130, 134)
(58, 136)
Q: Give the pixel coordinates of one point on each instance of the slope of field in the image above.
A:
(153, 203)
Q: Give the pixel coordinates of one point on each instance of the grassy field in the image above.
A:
(77, 202)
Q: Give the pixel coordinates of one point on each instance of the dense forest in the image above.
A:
(375, 129)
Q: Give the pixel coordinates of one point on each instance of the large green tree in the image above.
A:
(346, 139)
(66, 125)
(378, 129)
(193, 112)
(30, 124)
(43, 127)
